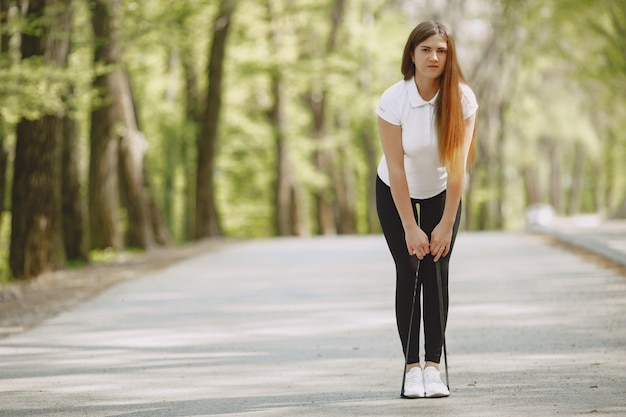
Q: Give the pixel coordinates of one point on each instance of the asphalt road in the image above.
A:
(305, 327)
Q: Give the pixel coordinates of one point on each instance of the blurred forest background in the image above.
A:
(135, 123)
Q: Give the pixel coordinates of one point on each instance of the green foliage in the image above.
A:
(109, 256)
(33, 88)
(546, 88)
(589, 39)
(558, 77)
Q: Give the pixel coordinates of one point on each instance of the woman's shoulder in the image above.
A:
(467, 91)
(396, 94)
(392, 101)
(468, 100)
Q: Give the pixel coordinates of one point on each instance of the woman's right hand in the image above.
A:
(416, 241)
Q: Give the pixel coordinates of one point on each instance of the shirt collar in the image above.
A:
(414, 95)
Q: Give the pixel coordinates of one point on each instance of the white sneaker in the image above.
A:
(433, 386)
(414, 384)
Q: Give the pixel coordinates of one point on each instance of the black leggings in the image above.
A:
(431, 210)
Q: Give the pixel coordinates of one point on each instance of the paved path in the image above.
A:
(605, 238)
(306, 328)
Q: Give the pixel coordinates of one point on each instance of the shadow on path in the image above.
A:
(291, 327)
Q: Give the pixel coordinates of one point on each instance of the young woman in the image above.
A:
(426, 125)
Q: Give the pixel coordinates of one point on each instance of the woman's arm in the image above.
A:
(441, 237)
(391, 139)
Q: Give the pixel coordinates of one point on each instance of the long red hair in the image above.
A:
(448, 108)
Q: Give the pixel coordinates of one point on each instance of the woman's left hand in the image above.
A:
(440, 240)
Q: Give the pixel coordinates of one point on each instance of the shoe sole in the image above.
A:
(412, 397)
(437, 395)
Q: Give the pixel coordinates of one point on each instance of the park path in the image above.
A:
(305, 327)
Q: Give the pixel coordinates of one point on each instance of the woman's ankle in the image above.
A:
(412, 365)
(433, 364)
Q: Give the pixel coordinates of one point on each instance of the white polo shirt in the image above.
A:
(402, 105)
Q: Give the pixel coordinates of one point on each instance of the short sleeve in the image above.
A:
(388, 107)
(468, 101)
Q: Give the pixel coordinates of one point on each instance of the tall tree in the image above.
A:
(103, 152)
(289, 212)
(193, 121)
(118, 146)
(326, 158)
(367, 127)
(4, 20)
(73, 227)
(207, 218)
(36, 241)
(74, 236)
(4, 60)
(490, 91)
(133, 146)
(614, 77)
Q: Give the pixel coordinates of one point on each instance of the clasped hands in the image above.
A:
(438, 245)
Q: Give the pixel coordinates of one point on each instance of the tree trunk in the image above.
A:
(158, 223)
(490, 78)
(155, 221)
(194, 121)
(501, 179)
(371, 154)
(367, 136)
(283, 218)
(71, 202)
(74, 237)
(533, 192)
(324, 159)
(620, 213)
(326, 198)
(118, 121)
(343, 169)
(73, 226)
(36, 242)
(172, 141)
(578, 180)
(4, 18)
(4, 164)
(289, 210)
(468, 204)
(346, 192)
(103, 158)
(555, 187)
(132, 148)
(207, 219)
(610, 144)
(597, 179)
(4, 48)
(289, 216)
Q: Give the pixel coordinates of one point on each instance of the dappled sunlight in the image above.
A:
(472, 316)
(317, 336)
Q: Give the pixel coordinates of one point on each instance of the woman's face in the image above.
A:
(430, 57)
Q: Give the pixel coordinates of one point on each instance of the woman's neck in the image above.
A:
(427, 87)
